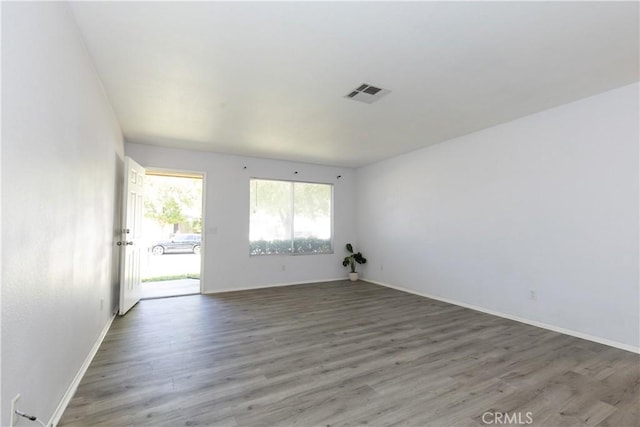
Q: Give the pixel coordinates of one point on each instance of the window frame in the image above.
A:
(293, 207)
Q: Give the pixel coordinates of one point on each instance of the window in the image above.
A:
(290, 217)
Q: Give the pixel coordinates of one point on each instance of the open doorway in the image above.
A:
(172, 231)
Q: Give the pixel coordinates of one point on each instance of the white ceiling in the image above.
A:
(268, 79)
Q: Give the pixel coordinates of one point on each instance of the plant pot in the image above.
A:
(353, 277)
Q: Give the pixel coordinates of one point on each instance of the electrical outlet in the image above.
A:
(532, 295)
(284, 268)
(14, 407)
(101, 303)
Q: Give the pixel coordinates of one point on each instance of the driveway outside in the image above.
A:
(169, 265)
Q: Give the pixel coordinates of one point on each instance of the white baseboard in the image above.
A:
(57, 414)
(275, 285)
(554, 328)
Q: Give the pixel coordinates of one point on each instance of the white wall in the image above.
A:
(548, 203)
(61, 163)
(226, 261)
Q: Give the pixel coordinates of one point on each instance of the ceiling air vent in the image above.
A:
(367, 93)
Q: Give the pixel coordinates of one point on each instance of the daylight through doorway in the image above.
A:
(172, 232)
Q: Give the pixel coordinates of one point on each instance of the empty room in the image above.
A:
(380, 213)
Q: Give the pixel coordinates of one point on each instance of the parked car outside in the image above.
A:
(180, 243)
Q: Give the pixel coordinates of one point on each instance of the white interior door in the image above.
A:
(131, 241)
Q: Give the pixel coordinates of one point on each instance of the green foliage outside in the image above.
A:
(273, 197)
(295, 205)
(169, 200)
(174, 277)
(301, 246)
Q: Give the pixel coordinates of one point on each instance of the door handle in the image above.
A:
(125, 243)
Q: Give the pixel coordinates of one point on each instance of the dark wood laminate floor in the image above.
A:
(345, 354)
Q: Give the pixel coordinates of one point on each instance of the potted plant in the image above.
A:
(351, 260)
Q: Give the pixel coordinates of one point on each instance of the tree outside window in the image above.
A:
(290, 217)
